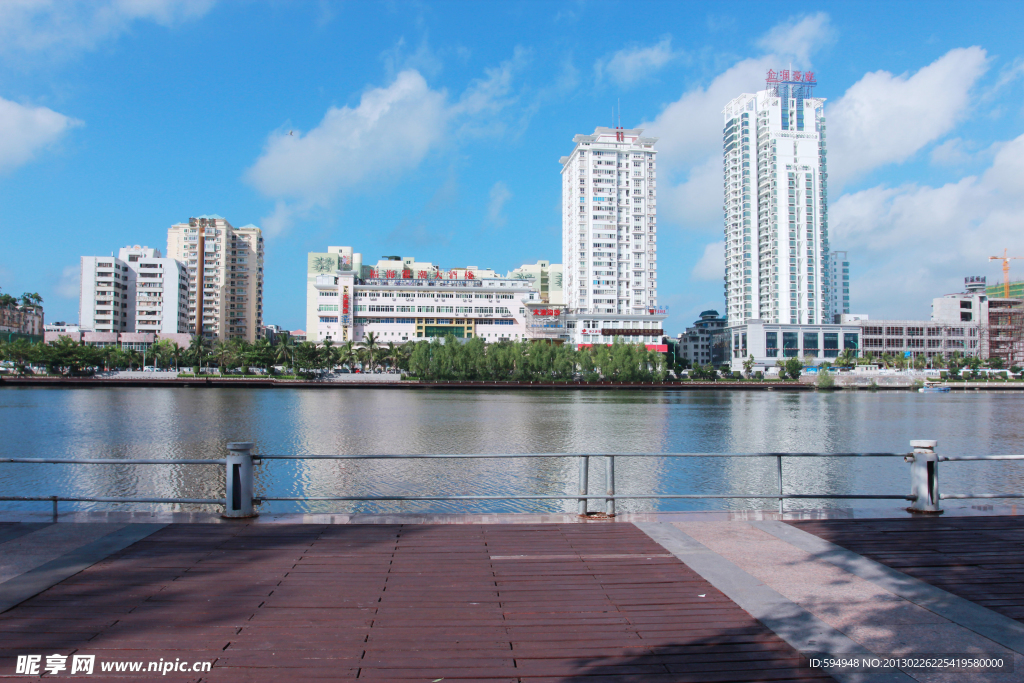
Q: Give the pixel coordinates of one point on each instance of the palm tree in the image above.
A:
(370, 344)
(223, 353)
(393, 355)
(198, 350)
(175, 351)
(347, 354)
(284, 351)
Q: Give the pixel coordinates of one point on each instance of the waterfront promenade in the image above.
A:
(644, 597)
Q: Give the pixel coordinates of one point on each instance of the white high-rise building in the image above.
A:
(136, 291)
(839, 284)
(609, 223)
(776, 206)
(159, 291)
(106, 300)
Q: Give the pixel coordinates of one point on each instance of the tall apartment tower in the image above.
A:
(225, 276)
(839, 284)
(609, 223)
(776, 206)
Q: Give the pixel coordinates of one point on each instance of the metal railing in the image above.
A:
(240, 501)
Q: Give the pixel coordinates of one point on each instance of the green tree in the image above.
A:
(794, 367)
(370, 344)
(284, 351)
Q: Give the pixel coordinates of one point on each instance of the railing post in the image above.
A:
(239, 484)
(924, 478)
(778, 464)
(54, 509)
(584, 474)
(609, 479)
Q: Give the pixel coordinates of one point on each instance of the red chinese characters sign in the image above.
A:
(787, 76)
(546, 311)
(344, 304)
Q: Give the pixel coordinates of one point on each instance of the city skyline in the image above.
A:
(441, 144)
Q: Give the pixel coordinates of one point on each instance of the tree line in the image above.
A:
(436, 360)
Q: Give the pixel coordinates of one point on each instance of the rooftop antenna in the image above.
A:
(618, 102)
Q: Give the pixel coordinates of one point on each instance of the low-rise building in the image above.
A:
(18, 322)
(138, 341)
(588, 329)
(769, 343)
(694, 346)
(913, 338)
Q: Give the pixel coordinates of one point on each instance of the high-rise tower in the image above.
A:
(225, 276)
(839, 284)
(776, 206)
(609, 223)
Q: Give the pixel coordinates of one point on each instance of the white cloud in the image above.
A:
(953, 152)
(279, 220)
(390, 131)
(633, 64)
(884, 119)
(711, 265)
(798, 38)
(25, 130)
(921, 241)
(69, 284)
(697, 201)
(58, 27)
(499, 195)
(690, 128)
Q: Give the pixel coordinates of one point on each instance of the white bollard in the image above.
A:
(238, 491)
(924, 478)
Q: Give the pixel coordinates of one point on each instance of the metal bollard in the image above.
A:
(778, 465)
(238, 492)
(609, 480)
(924, 478)
(584, 477)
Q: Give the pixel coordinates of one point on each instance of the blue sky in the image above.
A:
(434, 130)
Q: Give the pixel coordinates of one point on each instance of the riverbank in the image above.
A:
(393, 382)
(270, 383)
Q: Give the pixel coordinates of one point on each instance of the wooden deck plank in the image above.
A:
(413, 602)
(976, 558)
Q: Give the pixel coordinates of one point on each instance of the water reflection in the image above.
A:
(197, 423)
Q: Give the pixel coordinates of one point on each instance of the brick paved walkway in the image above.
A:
(555, 602)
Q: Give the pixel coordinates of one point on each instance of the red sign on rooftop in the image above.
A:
(788, 76)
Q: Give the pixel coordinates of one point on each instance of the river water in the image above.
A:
(198, 422)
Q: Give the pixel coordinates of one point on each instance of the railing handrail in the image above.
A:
(239, 500)
(412, 456)
(114, 461)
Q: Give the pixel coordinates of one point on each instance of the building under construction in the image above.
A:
(998, 291)
(1000, 319)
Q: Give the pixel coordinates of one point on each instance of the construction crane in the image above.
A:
(1006, 270)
